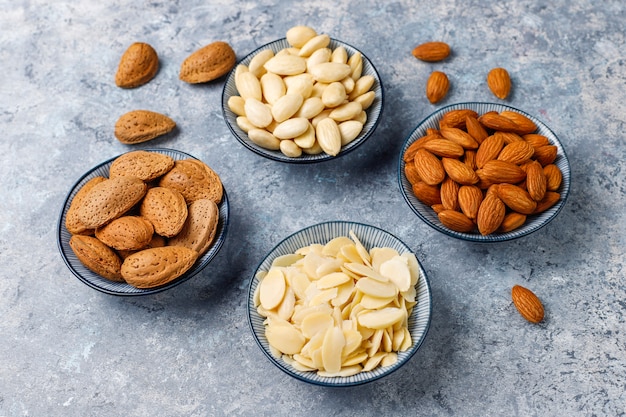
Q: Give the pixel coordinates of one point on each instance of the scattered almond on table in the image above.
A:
(137, 66)
(527, 303)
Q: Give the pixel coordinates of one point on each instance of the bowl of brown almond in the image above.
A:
(304, 98)
(484, 172)
(143, 222)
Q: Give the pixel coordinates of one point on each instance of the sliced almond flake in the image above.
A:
(365, 271)
(334, 342)
(389, 359)
(376, 288)
(334, 279)
(272, 289)
(334, 245)
(380, 255)
(373, 361)
(397, 270)
(286, 260)
(363, 253)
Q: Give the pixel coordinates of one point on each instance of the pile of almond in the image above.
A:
(306, 98)
(484, 173)
(149, 221)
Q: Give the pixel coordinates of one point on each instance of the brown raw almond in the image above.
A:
(548, 200)
(495, 121)
(109, 200)
(410, 152)
(432, 51)
(200, 227)
(144, 165)
(450, 194)
(536, 181)
(97, 257)
(154, 267)
(208, 63)
(456, 118)
(427, 194)
(546, 154)
(437, 86)
(489, 150)
(142, 125)
(516, 198)
(490, 214)
(524, 124)
(527, 303)
(501, 171)
(166, 209)
(126, 233)
(438, 208)
(138, 65)
(469, 198)
(516, 152)
(475, 129)
(459, 172)
(499, 82)
(509, 137)
(411, 173)
(554, 177)
(429, 167)
(456, 221)
(459, 136)
(72, 222)
(512, 221)
(536, 140)
(444, 148)
(470, 159)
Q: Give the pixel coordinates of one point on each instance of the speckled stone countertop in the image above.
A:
(68, 350)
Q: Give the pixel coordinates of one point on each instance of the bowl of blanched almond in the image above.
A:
(339, 304)
(304, 98)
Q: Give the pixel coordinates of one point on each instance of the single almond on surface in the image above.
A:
(499, 82)
(154, 267)
(432, 51)
(527, 303)
(142, 125)
(97, 257)
(437, 86)
(138, 65)
(208, 63)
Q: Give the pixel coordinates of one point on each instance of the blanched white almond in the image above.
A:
(397, 271)
(334, 342)
(284, 337)
(414, 268)
(272, 87)
(339, 55)
(346, 111)
(290, 149)
(244, 124)
(307, 139)
(316, 149)
(381, 319)
(362, 86)
(240, 69)
(297, 36)
(272, 289)
(323, 296)
(299, 84)
(248, 86)
(349, 130)
(362, 117)
(236, 105)
(360, 248)
(366, 100)
(313, 44)
(334, 95)
(318, 57)
(310, 108)
(389, 359)
(264, 139)
(376, 288)
(328, 72)
(318, 89)
(256, 65)
(356, 65)
(286, 106)
(348, 84)
(286, 65)
(328, 136)
(299, 282)
(257, 113)
(291, 128)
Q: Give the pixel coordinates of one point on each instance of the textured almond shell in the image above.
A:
(208, 63)
(138, 65)
(126, 233)
(200, 227)
(144, 165)
(142, 125)
(154, 267)
(72, 222)
(194, 180)
(97, 256)
(166, 209)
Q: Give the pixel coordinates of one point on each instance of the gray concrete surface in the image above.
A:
(67, 350)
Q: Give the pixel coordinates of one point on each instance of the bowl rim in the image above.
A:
(423, 286)
(369, 127)
(201, 263)
(538, 222)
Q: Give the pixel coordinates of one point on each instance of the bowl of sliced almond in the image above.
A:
(302, 99)
(339, 304)
(484, 172)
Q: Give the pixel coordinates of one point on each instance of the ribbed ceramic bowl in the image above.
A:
(121, 288)
(374, 112)
(370, 236)
(533, 222)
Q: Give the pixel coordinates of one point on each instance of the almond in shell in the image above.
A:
(166, 209)
(154, 267)
(144, 165)
(138, 65)
(72, 222)
(126, 233)
(97, 257)
(194, 180)
(139, 126)
(200, 227)
(208, 63)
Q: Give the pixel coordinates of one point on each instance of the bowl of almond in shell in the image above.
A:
(484, 172)
(143, 222)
